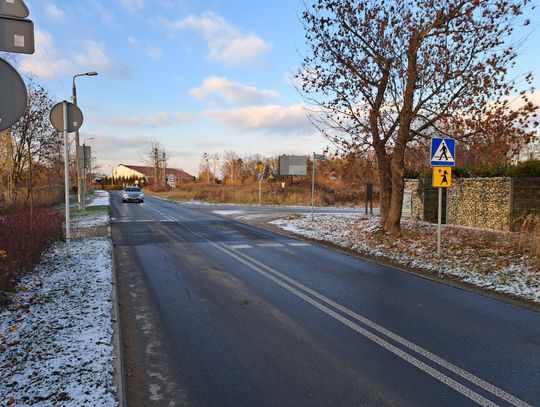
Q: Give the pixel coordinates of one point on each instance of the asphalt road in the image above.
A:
(218, 313)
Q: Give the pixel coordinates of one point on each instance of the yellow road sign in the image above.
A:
(442, 177)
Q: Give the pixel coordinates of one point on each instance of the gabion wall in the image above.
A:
(477, 202)
(480, 202)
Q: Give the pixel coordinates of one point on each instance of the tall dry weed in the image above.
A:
(529, 239)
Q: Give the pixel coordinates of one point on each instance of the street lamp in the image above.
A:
(80, 194)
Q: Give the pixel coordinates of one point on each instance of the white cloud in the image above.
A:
(226, 43)
(106, 15)
(54, 12)
(272, 118)
(153, 52)
(149, 50)
(133, 6)
(218, 89)
(95, 58)
(47, 61)
(158, 119)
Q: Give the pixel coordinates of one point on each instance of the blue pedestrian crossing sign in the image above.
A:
(443, 152)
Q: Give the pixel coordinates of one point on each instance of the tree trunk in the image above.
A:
(393, 220)
(397, 168)
(385, 182)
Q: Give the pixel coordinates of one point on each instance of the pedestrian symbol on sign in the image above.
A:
(443, 152)
(444, 149)
(442, 177)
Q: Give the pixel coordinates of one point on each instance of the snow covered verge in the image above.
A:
(488, 259)
(56, 335)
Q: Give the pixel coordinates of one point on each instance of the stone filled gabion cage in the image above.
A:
(496, 203)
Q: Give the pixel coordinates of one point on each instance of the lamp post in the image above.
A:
(80, 194)
(84, 169)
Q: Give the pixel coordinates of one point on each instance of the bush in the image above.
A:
(530, 168)
(23, 240)
(461, 172)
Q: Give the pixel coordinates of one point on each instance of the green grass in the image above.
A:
(90, 210)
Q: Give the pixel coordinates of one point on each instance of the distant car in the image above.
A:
(132, 194)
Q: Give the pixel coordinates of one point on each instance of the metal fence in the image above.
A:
(525, 199)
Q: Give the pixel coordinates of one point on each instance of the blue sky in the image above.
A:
(197, 76)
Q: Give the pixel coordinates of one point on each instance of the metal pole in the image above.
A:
(260, 191)
(367, 190)
(66, 176)
(84, 176)
(80, 197)
(313, 186)
(439, 218)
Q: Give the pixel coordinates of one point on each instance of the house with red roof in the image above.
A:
(173, 176)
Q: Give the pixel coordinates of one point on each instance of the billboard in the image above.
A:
(292, 165)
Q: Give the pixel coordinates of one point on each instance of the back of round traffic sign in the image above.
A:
(13, 97)
(74, 119)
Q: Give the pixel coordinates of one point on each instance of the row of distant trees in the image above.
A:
(356, 170)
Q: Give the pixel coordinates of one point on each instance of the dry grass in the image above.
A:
(272, 194)
(529, 238)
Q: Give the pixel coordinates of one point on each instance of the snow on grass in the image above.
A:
(93, 217)
(100, 198)
(485, 258)
(56, 335)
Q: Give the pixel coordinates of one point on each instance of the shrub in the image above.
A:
(22, 241)
(530, 168)
(462, 172)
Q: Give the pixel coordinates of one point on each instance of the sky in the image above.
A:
(196, 76)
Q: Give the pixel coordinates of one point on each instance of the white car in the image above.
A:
(132, 194)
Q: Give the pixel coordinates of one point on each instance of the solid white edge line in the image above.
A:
(418, 349)
(379, 341)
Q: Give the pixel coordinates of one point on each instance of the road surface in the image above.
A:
(218, 313)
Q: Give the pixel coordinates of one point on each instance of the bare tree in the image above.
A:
(205, 172)
(157, 159)
(382, 74)
(230, 167)
(31, 142)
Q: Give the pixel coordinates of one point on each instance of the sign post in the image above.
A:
(260, 176)
(443, 153)
(66, 117)
(66, 173)
(315, 158)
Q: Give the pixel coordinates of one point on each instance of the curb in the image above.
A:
(118, 355)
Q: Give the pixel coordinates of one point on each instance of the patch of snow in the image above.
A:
(90, 219)
(486, 259)
(101, 198)
(226, 212)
